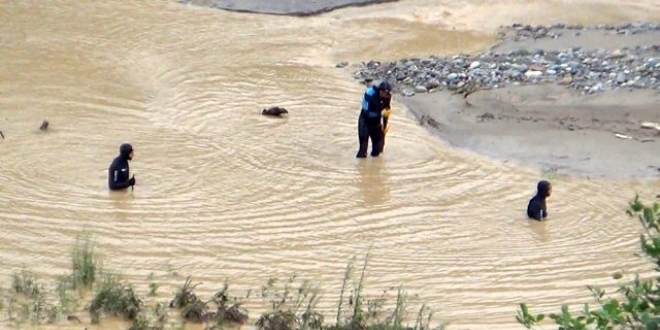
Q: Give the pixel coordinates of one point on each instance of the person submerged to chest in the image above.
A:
(536, 208)
(119, 170)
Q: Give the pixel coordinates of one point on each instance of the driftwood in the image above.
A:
(274, 111)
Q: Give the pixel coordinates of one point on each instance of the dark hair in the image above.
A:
(384, 86)
(125, 149)
(543, 187)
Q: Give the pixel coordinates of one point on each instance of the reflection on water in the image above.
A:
(374, 181)
(540, 231)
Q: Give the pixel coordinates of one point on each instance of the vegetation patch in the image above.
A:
(292, 303)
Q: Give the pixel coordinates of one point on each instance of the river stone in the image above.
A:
(420, 89)
(581, 69)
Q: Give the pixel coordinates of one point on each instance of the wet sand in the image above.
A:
(551, 127)
(283, 7)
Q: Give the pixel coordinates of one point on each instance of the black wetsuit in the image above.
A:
(118, 172)
(536, 209)
(369, 122)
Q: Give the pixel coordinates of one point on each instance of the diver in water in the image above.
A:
(372, 122)
(118, 171)
(536, 209)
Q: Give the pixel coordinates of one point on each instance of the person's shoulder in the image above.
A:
(115, 162)
(533, 201)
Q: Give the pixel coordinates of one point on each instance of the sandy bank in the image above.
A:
(550, 127)
(282, 7)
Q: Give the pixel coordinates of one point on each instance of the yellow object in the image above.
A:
(386, 114)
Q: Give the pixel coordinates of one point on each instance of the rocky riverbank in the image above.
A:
(569, 99)
(586, 70)
(520, 32)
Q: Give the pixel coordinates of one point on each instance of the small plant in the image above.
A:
(226, 313)
(25, 283)
(114, 298)
(370, 313)
(185, 296)
(151, 320)
(424, 317)
(27, 301)
(195, 310)
(141, 322)
(2, 299)
(84, 263)
(292, 308)
(153, 287)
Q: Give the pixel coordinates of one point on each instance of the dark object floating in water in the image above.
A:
(44, 125)
(274, 111)
(3, 136)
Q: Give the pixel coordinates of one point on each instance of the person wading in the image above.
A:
(536, 209)
(372, 122)
(118, 172)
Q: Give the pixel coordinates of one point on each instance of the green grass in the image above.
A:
(85, 265)
(116, 298)
(292, 303)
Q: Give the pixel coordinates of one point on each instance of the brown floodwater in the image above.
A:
(224, 193)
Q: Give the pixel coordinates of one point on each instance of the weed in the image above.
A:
(114, 298)
(84, 263)
(195, 310)
(153, 287)
(292, 305)
(26, 284)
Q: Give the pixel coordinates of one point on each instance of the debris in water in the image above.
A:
(44, 125)
(274, 111)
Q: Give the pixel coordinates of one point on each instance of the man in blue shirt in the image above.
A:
(371, 121)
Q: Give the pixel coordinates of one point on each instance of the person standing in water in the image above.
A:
(376, 99)
(118, 172)
(536, 209)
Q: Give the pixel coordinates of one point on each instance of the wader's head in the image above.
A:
(384, 89)
(126, 151)
(544, 188)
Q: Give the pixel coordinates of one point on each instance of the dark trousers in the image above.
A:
(368, 130)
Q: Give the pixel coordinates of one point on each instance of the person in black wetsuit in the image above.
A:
(118, 172)
(376, 99)
(536, 209)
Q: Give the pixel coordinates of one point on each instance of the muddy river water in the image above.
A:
(224, 193)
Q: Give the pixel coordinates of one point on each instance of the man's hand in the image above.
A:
(386, 129)
(387, 112)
